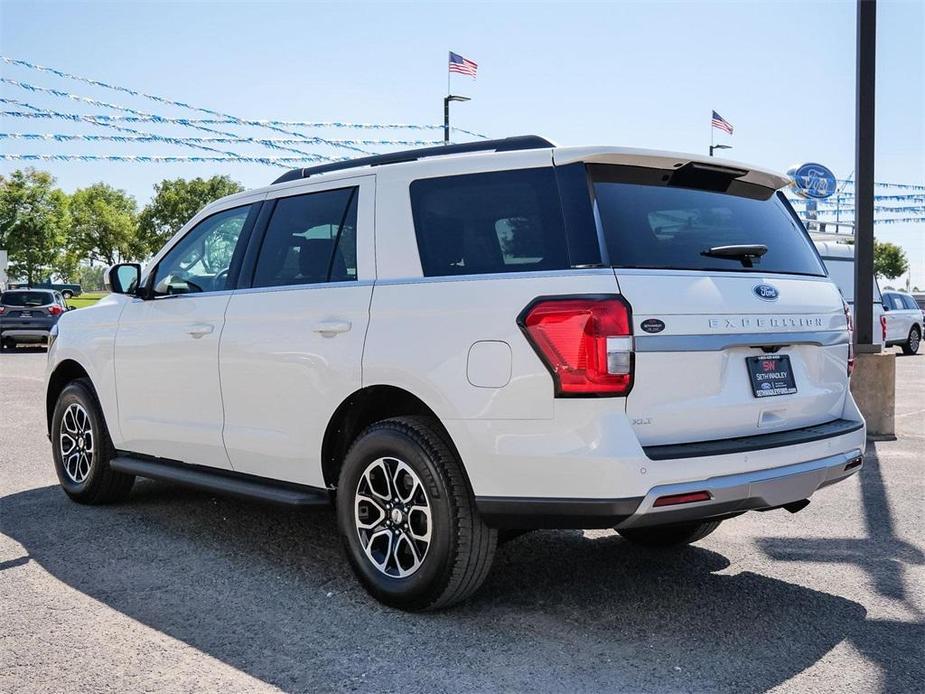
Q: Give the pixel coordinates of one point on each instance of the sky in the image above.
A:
(639, 74)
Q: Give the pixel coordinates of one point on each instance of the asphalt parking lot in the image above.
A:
(178, 591)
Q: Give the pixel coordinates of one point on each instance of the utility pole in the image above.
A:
(864, 177)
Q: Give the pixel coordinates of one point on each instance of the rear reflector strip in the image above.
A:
(675, 499)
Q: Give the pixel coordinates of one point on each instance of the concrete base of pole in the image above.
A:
(873, 385)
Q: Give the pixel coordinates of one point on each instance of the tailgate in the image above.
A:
(694, 335)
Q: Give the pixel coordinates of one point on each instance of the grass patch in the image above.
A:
(85, 299)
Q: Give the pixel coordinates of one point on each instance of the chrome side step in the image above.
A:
(222, 482)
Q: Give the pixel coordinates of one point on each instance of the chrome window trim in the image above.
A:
(312, 285)
(506, 276)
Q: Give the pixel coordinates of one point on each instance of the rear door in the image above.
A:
(737, 328)
(292, 346)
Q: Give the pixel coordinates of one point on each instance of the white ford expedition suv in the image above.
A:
(455, 341)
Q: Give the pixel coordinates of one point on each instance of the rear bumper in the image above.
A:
(25, 334)
(749, 491)
(729, 495)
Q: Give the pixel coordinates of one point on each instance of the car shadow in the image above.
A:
(267, 590)
(897, 647)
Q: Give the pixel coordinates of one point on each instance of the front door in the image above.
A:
(292, 347)
(166, 352)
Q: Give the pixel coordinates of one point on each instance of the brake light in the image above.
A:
(2, 309)
(585, 342)
(55, 310)
(850, 336)
(883, 328)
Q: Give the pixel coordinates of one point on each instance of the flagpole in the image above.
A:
(711, 134)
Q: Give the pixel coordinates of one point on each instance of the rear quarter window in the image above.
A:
(502, 221)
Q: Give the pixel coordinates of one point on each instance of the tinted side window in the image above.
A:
(201, 260)
(909, 302)
(503, 221)
(310, 239)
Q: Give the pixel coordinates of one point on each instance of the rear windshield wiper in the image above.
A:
(746, 253)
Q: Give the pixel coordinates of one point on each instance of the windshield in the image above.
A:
(656, 226)
(27, 299)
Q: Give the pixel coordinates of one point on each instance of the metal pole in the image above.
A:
(711, 134)
(446, 119)
(864, 177)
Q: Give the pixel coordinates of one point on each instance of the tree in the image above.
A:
(90, 277)
(33, 220)
(104, 225)
(175, 202)
(890, 260)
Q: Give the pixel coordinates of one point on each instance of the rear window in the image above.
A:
(27, 299)
(503, 221)
(656, 226)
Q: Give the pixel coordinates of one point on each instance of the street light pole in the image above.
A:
(713, 147)
(446, 114)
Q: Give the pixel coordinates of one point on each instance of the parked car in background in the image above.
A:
(28, 315)
(67, 290)
(839, 262)
(904, 321)
(919, 299)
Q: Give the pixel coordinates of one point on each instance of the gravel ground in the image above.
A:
(179, 591)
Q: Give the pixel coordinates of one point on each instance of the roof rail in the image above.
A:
(507, 144)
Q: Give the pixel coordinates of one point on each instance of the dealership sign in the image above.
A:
(813, 181)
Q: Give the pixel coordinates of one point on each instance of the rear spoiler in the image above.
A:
(668, 161)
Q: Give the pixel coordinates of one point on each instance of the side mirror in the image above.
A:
(122, 278)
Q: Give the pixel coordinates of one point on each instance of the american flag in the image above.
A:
(721, 123)
(463, 66)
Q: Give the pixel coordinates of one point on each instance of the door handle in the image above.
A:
(329, 328)
(198, 330)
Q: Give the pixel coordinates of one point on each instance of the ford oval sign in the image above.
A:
(813, 181)
(652, 325)
(766, 292)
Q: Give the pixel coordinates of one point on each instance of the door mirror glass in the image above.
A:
(123, 278)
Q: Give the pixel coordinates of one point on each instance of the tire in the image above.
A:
(911, 345)
(420, 563)
(82, 462)
(67, 294)
(669, 535)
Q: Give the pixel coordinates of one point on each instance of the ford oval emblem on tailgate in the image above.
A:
(766, 292)
(652, 325)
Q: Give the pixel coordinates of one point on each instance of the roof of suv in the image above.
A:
(452, 154)
(562, 155)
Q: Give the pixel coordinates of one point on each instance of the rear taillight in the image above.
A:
(2, 309)
(55, 310)
(882, 328)
(585, 342)
(850, 336)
